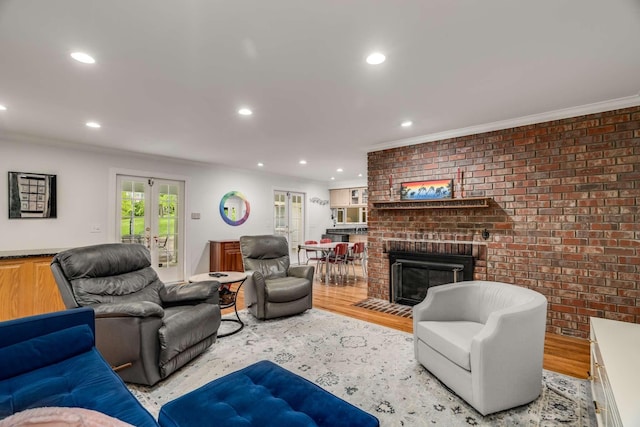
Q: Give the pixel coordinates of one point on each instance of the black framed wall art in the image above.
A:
(32, 195)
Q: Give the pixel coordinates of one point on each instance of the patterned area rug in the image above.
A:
(370, 366)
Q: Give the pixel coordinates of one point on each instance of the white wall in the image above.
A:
(83, 190)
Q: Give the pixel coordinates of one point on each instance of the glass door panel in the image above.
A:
(159, 229)
(289, 219)
(133, 196)
(168, 219)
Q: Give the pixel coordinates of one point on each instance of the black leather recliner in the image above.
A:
(157, 328)
(273, 288)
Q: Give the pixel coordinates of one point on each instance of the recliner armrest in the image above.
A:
(301, 271)
(206, 291)
(131, 309)
(254, 290)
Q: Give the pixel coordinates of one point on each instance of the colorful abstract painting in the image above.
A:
(427, 190)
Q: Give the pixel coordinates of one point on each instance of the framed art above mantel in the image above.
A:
(435, 189)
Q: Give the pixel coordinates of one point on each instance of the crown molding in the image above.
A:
(565, 113)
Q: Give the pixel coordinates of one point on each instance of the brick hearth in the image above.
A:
(563, 216)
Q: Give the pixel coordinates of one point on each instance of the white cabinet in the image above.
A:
(615, 377)
(349, 205)
(358, 196)
(349, 215)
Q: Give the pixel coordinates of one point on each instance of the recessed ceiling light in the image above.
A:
(303, 162)
(3, 108)
(333, 178)
(406, 123)
(359, 175)
(93, 125)
(339, 170)
(260, 164)
(376, 58)
(83, 57)
(245, 112)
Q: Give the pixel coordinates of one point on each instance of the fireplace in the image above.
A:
(411, 274)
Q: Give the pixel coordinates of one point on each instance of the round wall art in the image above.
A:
(234, 208)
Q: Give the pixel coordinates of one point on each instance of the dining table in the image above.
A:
(325, 248)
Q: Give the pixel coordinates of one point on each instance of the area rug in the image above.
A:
(370, 366)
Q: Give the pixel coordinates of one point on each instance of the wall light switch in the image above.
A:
(195, 215)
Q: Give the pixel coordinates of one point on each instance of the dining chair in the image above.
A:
(314, 255)
(358, 254)
(338, 258)
(325, 254)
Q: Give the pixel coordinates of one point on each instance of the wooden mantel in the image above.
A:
(466, 203)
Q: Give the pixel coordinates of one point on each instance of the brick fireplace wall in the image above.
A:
(563, 216)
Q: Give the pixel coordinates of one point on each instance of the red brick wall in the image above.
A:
(564, 216)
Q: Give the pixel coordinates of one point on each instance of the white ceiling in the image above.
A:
(171, 75)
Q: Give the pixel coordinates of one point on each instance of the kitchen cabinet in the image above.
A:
(349, 215)
(339, 197)
(224, 255)
(27, 287)
(344, 197)
(358, 196)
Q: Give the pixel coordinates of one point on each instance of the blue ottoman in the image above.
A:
(262, 394)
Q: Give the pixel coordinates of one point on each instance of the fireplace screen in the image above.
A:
(412, 274)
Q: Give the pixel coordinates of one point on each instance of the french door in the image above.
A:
(289, 219)
(150, 211)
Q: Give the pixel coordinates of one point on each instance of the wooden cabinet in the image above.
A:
(27, 287)
(614, 376)
(344, 197)
(224, 255)
(339, 197)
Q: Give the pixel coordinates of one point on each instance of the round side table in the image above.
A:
(226, 278)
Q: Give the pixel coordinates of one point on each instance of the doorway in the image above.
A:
(289, 218)
(150, 211)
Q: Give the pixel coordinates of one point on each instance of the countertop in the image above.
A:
(348, 231)
(26, 253)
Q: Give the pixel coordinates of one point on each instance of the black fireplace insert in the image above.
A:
(411, 274)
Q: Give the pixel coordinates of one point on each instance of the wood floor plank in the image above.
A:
(566, 355)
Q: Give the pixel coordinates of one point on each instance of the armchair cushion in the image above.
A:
(286, 289)
(451, 339)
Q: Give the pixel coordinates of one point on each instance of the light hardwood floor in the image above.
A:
(566, 355)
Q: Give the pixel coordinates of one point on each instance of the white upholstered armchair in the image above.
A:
(484, 340)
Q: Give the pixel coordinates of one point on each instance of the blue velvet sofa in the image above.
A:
(51, 360)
